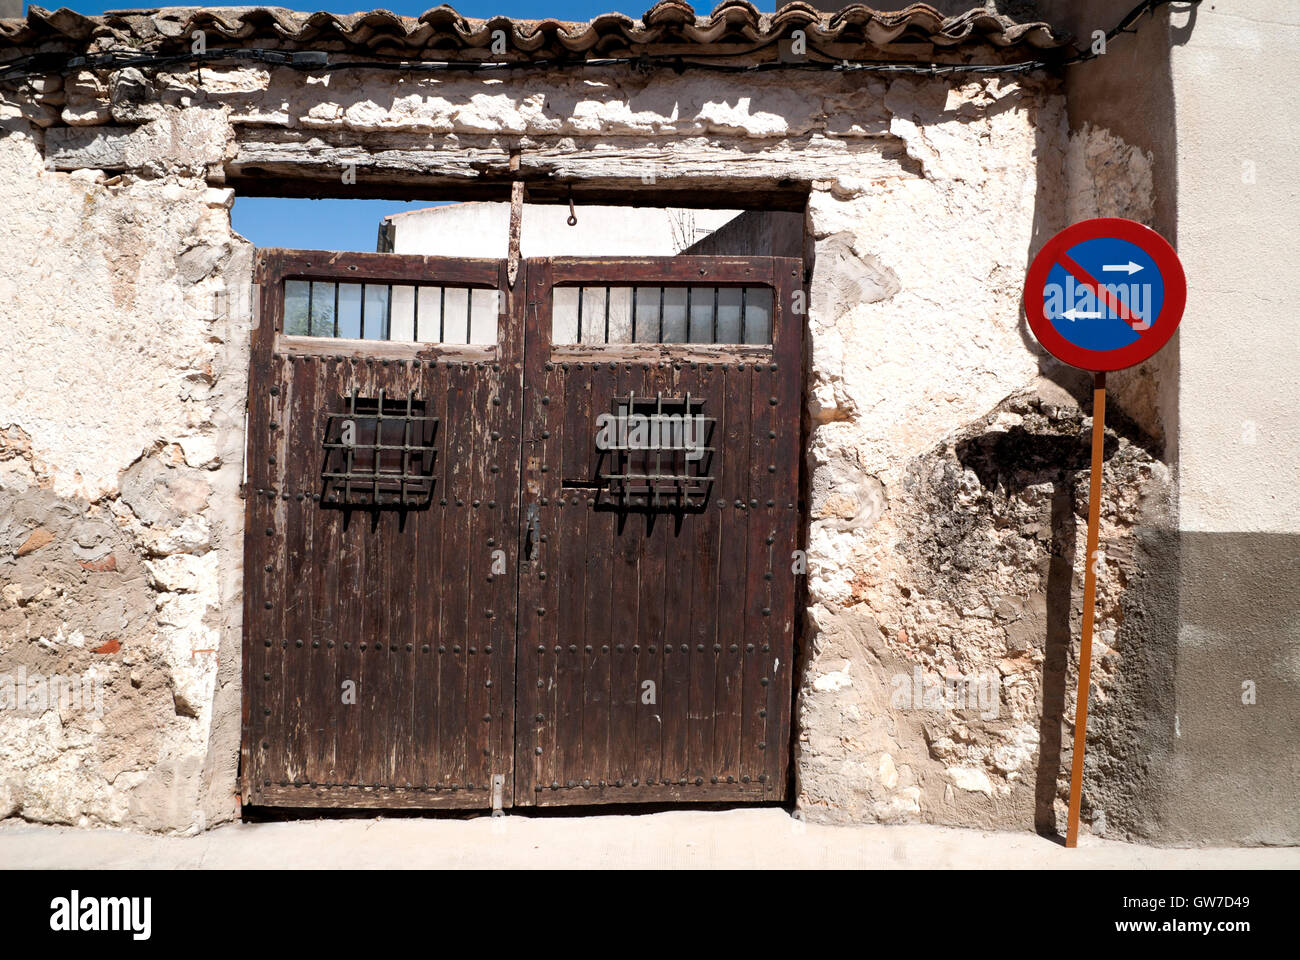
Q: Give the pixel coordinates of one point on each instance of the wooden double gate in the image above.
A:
(537, 566)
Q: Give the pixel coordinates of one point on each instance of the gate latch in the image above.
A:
(532, 533)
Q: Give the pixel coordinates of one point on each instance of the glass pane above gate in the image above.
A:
(661, 314)
(391, 311)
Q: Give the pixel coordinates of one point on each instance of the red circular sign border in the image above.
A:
(1101, 361)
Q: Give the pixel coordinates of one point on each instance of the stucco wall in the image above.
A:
(941, 464)
(1237, 210)
(1238, 692)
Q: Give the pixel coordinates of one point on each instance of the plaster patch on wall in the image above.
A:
(1108, 177)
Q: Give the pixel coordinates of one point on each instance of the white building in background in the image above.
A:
(481, 229)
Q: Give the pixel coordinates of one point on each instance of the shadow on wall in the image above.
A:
(1053, 451)
(1038, 457)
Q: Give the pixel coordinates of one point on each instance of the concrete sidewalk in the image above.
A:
(763, 838)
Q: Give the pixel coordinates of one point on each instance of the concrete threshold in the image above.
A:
(765, 838)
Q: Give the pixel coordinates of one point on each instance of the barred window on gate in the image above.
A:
(379, 452)
(390, 311)
(695, 314)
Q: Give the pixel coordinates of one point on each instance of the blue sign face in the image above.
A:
(1132, 293)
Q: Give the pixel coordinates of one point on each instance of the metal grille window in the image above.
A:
(379, 452)
(705, 314)
(390, 311)
(658, 452)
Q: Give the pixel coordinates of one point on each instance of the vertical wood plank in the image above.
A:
(370, 639)
(452, 649)
(506, 435)
(323, 767)
(655, 532)
(574, 405)
(732, 565)
(707, 649)
(278, 693)
(427, 592)
(759, 656)
(537, 656)
(602, 591)
(401, 528)
(301, 689)
(788, 386)
(255, 656)
(679, 549)
(625, 692)
(349, 600)
(477, 569)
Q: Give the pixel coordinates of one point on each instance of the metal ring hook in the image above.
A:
(573, 217)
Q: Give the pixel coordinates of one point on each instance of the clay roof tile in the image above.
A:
(668, 22)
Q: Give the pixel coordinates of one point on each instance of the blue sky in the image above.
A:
(353, 224)
(313, 224)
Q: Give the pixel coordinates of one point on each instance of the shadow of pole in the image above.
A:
(1056, 653)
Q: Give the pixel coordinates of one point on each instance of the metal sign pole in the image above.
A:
(1089, 605)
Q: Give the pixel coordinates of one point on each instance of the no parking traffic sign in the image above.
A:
(1105, 294)
(1102, 295)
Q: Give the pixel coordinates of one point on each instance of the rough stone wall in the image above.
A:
(947, 514)
(121, 443)
(941, 463)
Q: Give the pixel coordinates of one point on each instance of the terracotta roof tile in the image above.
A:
(443, 31)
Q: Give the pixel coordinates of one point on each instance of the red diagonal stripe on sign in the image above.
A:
(1087, 280)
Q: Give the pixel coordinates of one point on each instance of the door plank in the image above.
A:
(602, 592)
(477, 563)
(430, 573)
(323, 767)
(573, 405)
(706, 620)
(624, 689)
(452, 650)
(759, 656)
(675, 694)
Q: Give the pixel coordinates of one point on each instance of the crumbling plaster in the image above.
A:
(121, 431)
(926, 201)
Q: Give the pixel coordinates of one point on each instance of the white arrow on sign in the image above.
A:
(1073, 314)
(1130, 268)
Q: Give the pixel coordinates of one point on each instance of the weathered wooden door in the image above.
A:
(382, 508)
(661, 464)
(520, 545)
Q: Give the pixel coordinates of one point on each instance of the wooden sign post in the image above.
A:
(1103, 324)
(1089, 604)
